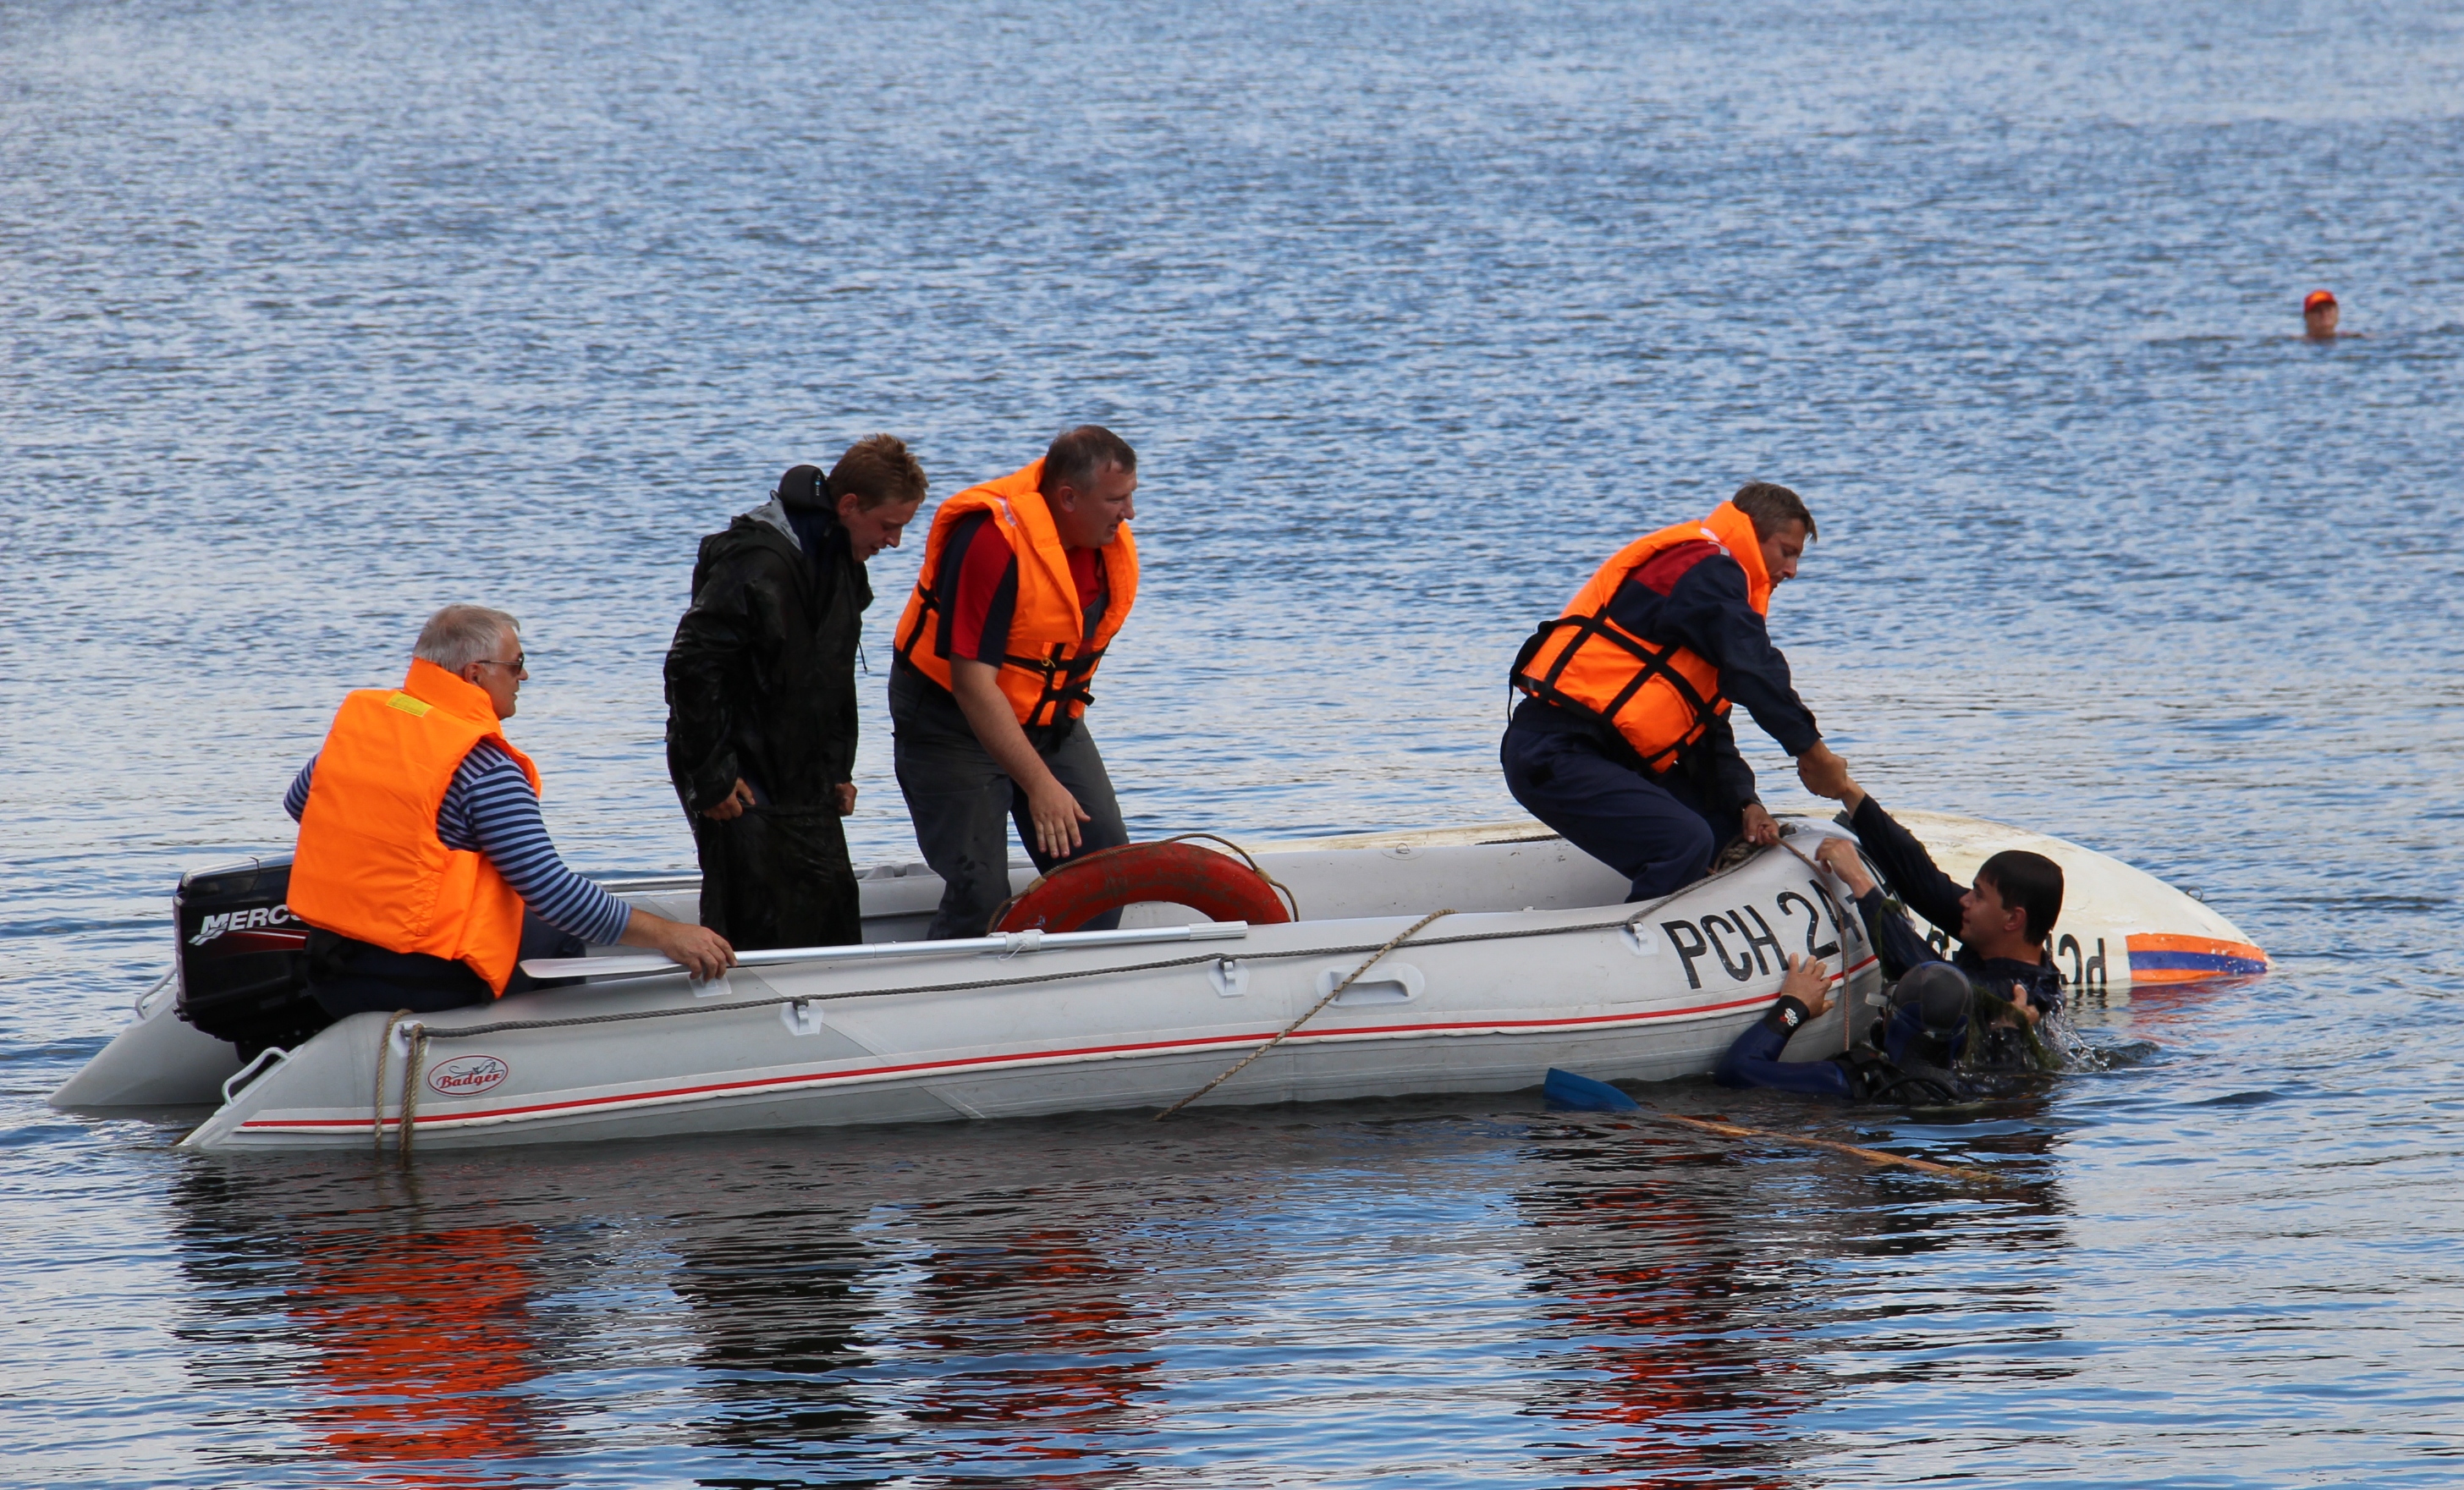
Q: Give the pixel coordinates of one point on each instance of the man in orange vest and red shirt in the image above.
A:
(1026, 579)
(421, 850)
(1623, 743)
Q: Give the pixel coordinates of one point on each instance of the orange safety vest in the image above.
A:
(1051, 657)
(370, 865)
(1658, 695)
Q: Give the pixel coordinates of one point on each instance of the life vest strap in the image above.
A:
(1654, 665)
(1064, 681)
(1064, 678)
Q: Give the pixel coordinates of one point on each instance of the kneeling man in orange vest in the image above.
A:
(1623, 743)
(1026, 579)
(424, 870)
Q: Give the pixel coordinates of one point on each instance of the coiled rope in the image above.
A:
(376, 1098)
(415, 1058)
(1337, 992)
(410, 1072)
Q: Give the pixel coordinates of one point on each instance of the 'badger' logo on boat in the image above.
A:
(467, 1076)
(241, 921)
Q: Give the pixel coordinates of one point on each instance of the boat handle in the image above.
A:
(1000, 944)
(147, 996)
(239, 1080)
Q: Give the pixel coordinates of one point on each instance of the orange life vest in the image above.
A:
(1659, 696)
(1051, 657)
(370, 865)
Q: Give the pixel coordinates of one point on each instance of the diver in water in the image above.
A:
(2002, 921)
(1956, 1029)
(1946, 1040)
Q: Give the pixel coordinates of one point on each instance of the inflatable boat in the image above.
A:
(1461, 960)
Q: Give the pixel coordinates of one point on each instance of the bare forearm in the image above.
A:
(997, 729)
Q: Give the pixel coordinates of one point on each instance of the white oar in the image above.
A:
(1003, 944)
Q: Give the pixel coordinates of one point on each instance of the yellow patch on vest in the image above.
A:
(408, 705)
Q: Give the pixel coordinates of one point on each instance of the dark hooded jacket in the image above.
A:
(762, 687)
(761, 676)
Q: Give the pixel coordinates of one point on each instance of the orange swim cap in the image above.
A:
(2316, 299)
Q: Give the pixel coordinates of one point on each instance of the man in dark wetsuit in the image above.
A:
(762, 701)
(1915, 1064)
(1623, 742)
(2001, 921)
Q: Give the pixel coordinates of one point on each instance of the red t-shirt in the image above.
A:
(977, 590)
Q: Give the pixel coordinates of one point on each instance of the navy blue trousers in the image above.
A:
(1652, 830)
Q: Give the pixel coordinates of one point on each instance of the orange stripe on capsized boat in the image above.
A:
(2163, 958)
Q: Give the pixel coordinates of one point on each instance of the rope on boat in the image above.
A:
(376, 1099)
(413, 1059)
(1331, 996)
(410, 1069)
(738, 1005)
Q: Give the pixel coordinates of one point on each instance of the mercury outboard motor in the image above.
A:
(243, 956)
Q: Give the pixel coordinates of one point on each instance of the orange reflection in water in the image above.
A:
(1688, 1385)
(421, 1341)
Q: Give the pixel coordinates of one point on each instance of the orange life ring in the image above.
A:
(1216, 886)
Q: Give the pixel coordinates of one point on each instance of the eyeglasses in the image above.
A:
(521, 662)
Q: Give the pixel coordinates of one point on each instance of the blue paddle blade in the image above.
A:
(1567, 1092)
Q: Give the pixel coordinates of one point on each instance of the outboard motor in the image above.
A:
(243, 956)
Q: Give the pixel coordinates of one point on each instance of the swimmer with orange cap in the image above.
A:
(2318, 316)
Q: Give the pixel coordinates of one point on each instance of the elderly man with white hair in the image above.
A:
(424, 870)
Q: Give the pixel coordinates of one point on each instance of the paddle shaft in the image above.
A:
(1869, 1156)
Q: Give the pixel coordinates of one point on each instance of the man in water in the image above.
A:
(2318, 315)
(1623, 743)
(1919, 1059)
(762, 701)
(2002, 922)
(423, 869)
(1026, 579)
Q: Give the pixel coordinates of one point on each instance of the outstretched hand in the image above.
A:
(1824, 774)
(1840, 857)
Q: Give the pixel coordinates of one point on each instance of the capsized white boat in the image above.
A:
(1536, 962)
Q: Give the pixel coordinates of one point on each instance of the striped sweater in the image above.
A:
(491, 809)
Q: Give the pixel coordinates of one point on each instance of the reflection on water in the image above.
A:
(1647, 1275)
(1701, 1288)
(392, 1344)
(782, 1322)
(1037, 1301)
(1038, 1345)
(419, 1342)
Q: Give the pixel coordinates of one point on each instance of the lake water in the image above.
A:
(313, 318)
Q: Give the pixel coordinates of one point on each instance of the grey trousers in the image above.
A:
(964, 803)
